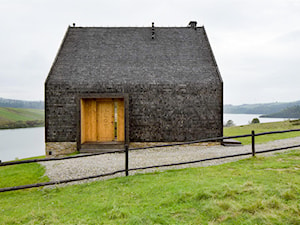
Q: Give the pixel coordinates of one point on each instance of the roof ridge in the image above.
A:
(130, 27)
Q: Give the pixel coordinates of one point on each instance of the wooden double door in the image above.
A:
(102, 120)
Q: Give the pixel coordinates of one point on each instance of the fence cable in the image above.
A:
(126, 170)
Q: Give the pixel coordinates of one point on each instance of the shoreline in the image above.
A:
(22, 124)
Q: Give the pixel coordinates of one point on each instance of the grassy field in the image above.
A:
(253, 191)
(15, 117)
(264, 127)
(257, 190)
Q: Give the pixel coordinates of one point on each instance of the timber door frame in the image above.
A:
(123, 96)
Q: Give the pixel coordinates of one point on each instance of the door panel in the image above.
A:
(98, 120)
(88, 116)
(105, 120)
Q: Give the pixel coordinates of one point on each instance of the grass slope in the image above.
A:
(17, 117)
(253, 191)
(22, 174)
(264, 127)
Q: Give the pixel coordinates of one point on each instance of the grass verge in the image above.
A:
(264, 127)
(22, 174)
(253, 191)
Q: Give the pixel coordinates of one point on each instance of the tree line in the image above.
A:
(12, 103)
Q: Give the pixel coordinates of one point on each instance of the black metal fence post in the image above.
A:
(253, 143)
(126, 159)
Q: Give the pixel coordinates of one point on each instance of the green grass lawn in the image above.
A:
(22, 174)
(18, 117)
(253, 191)
(264, 127)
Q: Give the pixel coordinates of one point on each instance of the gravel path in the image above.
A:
(94, 165)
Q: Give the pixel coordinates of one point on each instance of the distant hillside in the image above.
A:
(290, 112)
(21, 104)
(268, 108)
(20, 118)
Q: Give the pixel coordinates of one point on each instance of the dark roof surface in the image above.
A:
(129, 55)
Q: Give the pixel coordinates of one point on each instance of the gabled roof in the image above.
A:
(172, 55)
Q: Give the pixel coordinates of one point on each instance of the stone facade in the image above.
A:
(60, 148)
(174, 88)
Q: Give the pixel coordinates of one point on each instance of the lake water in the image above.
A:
(29, 142)
(21, 143)
(244, 119)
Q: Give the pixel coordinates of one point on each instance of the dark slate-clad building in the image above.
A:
(113, 85)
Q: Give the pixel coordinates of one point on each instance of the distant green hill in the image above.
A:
(267, 108)
(290, 112)
(20, 118)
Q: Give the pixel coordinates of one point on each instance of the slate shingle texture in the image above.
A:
(175, 89)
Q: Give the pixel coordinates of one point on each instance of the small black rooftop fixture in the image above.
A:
(193, 24)
(153, 31)
(74, 24)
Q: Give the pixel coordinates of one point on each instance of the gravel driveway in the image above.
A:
(95, 165)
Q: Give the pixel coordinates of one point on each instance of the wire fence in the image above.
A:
(127, 150)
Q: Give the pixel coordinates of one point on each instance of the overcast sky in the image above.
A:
(256, 42)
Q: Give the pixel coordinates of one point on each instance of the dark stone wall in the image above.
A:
(60, 114)
(157, 112)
